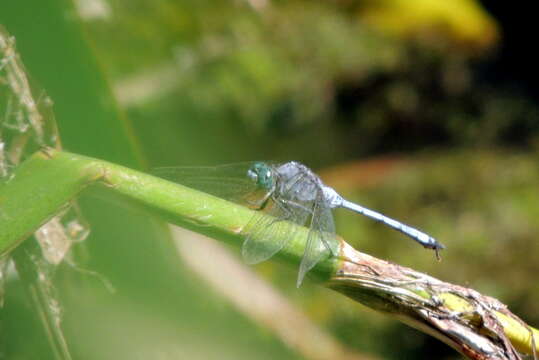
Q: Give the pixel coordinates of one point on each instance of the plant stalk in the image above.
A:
(476, 325)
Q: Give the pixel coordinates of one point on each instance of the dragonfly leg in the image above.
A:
(282, 204)
(297, 205)
(288, 214)
(260, 205)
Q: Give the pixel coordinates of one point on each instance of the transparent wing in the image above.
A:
(229, 181)
(265, 234)
(270, 230)
(321, 240)
(326, 228)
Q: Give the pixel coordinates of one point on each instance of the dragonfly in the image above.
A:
(287, 196)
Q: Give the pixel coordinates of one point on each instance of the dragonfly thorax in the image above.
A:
(296, 181)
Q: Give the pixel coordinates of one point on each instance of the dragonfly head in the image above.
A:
(262, 175)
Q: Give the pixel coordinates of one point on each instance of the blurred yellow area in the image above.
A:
(464, 23)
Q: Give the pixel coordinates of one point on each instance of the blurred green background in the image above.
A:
(424, 110)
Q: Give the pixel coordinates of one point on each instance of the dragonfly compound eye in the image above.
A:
(261, 174)
(252, 175)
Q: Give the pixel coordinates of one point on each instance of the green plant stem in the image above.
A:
(50, 178)
(38, 189)
(475, 325)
